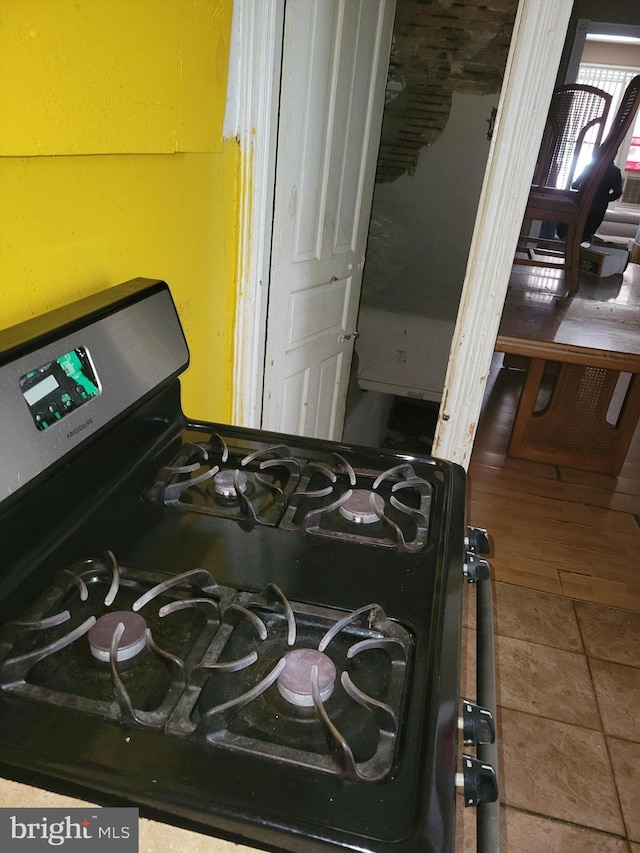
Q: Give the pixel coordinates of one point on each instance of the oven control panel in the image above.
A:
(56, 388)
(67, 374)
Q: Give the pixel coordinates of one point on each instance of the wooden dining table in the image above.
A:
(580, 402)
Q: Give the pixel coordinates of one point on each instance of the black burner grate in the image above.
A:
(218, 478)
(47, 656)
(233, 698)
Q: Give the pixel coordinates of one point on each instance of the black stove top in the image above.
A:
(271, 656)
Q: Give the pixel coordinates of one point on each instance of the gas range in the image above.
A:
(252, 633)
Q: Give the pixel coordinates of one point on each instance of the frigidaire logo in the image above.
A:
(78, 830)
(80, 427)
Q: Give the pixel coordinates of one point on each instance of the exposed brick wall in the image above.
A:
(439, 47)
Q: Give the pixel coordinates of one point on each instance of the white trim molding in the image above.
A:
(534, 57)
(253, 92)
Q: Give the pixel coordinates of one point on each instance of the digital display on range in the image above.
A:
(55, 389)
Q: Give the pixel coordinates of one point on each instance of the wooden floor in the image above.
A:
(557, 530)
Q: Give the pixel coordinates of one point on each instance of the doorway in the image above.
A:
(542, 23)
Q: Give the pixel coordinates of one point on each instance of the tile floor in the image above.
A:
(568, 676)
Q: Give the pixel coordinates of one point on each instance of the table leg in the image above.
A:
(572, 428)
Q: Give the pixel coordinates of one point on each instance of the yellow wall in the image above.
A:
(112, 166)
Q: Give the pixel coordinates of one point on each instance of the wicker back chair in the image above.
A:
(571, 206)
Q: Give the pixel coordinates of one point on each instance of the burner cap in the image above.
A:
(294, 682)
(224, 483)
(132, 641)
(359, 506)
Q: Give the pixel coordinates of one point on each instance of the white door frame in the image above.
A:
(252, 111)
(251, 116)
(534, 57)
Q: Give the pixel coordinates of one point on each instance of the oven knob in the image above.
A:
(477, 724)
(478, 781)
(479, 541)
(476, 569)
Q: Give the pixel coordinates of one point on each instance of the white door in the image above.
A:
(334, 68)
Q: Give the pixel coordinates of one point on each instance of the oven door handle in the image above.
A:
(488, 817)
